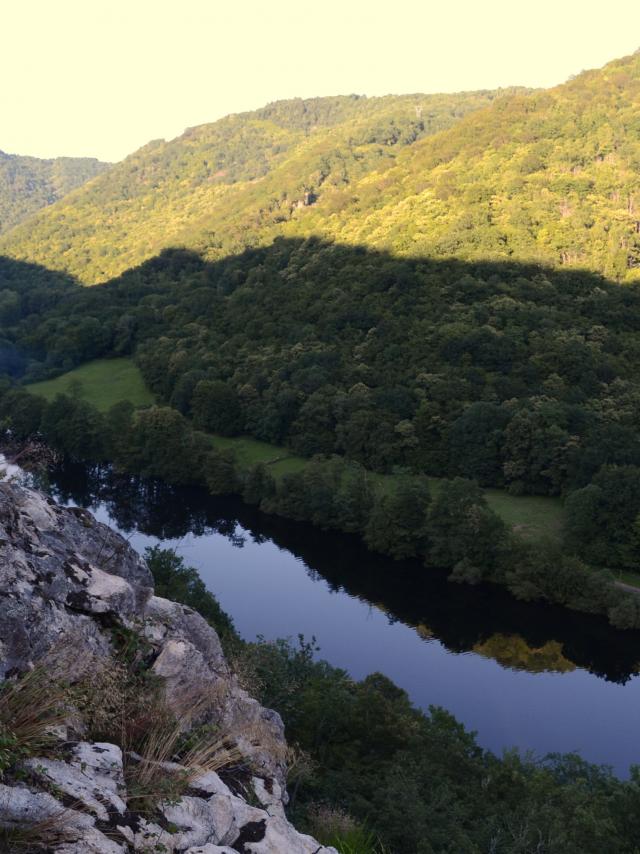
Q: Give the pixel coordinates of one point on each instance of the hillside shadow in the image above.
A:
(26, 290)
(184, 268)
(315, 288)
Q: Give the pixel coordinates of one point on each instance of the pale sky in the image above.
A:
(103, 77)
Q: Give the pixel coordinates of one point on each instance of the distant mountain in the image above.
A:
(235, 181)
(28, 184)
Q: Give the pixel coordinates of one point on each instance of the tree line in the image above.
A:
(452, 529)
(514, 376)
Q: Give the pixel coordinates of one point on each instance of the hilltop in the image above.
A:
(539, 176)
(550, 176)
(231, 182)
(28, 184)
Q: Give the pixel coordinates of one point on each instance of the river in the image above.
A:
(540, 678)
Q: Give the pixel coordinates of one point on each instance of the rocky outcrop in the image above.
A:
(66, 582)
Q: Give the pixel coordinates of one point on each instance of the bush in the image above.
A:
(22, 413)
(333, 826)
(397, 525)
(464, 532)
(603, 518)
(221, 473)
(259, 485)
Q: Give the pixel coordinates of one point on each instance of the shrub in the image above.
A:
(333, 826)
(220, 472)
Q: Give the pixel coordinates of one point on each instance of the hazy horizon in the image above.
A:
(103, 84)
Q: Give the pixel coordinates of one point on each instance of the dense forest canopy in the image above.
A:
(447, 366)
(28, 184)
(511, 375)
(551, 176)
(232, 182)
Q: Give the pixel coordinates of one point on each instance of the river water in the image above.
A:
(539, 678)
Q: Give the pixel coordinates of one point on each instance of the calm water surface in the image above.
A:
(536, 677)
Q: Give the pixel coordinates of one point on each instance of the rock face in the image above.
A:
(66, 579)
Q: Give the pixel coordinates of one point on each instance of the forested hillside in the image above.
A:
(28, 183)
(516, 376)
(231, 182)
(423, 336)
(552, 176)
(548, 176)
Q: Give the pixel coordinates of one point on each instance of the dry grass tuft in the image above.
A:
(53, 829)
(333, 826)
(212, 755)
(166, 747)
(31, 708)
(165, 767)
(36, 837)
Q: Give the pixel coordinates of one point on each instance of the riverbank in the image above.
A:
(362, 748)
(536, 663)
(105, 382)
(447, 524)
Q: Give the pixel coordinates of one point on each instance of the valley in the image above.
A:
(356, 376)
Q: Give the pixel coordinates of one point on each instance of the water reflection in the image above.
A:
(484, 620)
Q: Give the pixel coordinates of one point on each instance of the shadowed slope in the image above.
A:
(512, 374)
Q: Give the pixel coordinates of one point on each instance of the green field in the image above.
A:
(108, 381)
(534, 517)
(632, 579)
(250, 451)
(101, 383)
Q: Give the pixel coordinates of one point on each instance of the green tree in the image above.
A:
(165, 446)
(259, 485)
(221, 472)
(215, 407)
(475, 443)
(601, 519)
(75, 428)
(354, 499)
(537, 449)
(398, 521)
(22, 413)
(464, 532)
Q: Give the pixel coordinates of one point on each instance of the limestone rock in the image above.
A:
(59, 568)
(62, 829)
(92, 792)
(211, 849)
(65, 581)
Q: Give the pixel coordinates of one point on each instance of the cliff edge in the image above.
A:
(122, 727)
